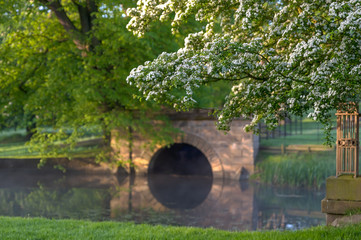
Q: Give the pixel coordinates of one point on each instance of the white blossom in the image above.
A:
(299, 57)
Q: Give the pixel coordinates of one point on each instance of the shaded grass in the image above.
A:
(299, 170)
(39, 228)
(11, 136)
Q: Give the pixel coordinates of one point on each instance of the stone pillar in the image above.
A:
(343, 192)
(343, 196)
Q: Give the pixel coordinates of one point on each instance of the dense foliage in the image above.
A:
(63, 66)
(282, 57)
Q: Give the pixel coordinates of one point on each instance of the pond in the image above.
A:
(158, 199)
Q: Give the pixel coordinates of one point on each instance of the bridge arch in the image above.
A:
(205, 148)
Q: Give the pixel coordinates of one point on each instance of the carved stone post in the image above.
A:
(347, 144)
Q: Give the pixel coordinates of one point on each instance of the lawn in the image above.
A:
(13, 145)
(312, 134)
(40, 228)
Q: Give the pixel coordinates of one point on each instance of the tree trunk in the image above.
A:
(30, 127)
(131, 164)
(130, 196)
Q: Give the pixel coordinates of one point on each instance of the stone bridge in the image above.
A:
(225, 156)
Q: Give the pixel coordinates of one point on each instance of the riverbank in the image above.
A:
(303, 169)
(295, 159)
(40, 228)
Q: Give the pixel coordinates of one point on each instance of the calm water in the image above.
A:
(158, 199)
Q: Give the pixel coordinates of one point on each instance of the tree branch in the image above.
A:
(87, 17)
(246, 75)
(31, 74)
(68, 25)
(84, 15)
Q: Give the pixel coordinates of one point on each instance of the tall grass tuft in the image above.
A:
(298, 170)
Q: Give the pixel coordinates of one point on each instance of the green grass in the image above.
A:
(300, 170)
(12, 136)
(21, 150)
(353, 211)
(312, 134)
(39, 228)
(13, 144)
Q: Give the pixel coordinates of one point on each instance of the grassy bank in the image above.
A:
(300, 170)
(37, 228)
(297, 160)
(13, 144)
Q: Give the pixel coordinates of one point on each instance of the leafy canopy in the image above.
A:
(64, 64)
(282, 57)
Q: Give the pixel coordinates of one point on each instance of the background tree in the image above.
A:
(63, 65)
(282, 57)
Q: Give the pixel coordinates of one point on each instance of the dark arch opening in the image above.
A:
(180, 159)
(180, 177)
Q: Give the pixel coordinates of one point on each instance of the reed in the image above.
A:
(298, 170)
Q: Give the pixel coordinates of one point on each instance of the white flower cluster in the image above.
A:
(283, 57)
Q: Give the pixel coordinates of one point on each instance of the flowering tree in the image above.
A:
(282, 57)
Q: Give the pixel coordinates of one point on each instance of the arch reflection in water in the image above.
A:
(179, 192)
(180, 177)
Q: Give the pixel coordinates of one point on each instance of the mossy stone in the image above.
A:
(344, 187)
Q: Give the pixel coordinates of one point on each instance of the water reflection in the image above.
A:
(178, 191)
(287, 208)
(187, 201)
(51, 194)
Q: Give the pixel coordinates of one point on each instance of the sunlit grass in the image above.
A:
(23, 153)
(312, 134)
(13, 145)
(39, 228)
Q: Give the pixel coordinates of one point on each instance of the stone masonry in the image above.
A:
(231, 155)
